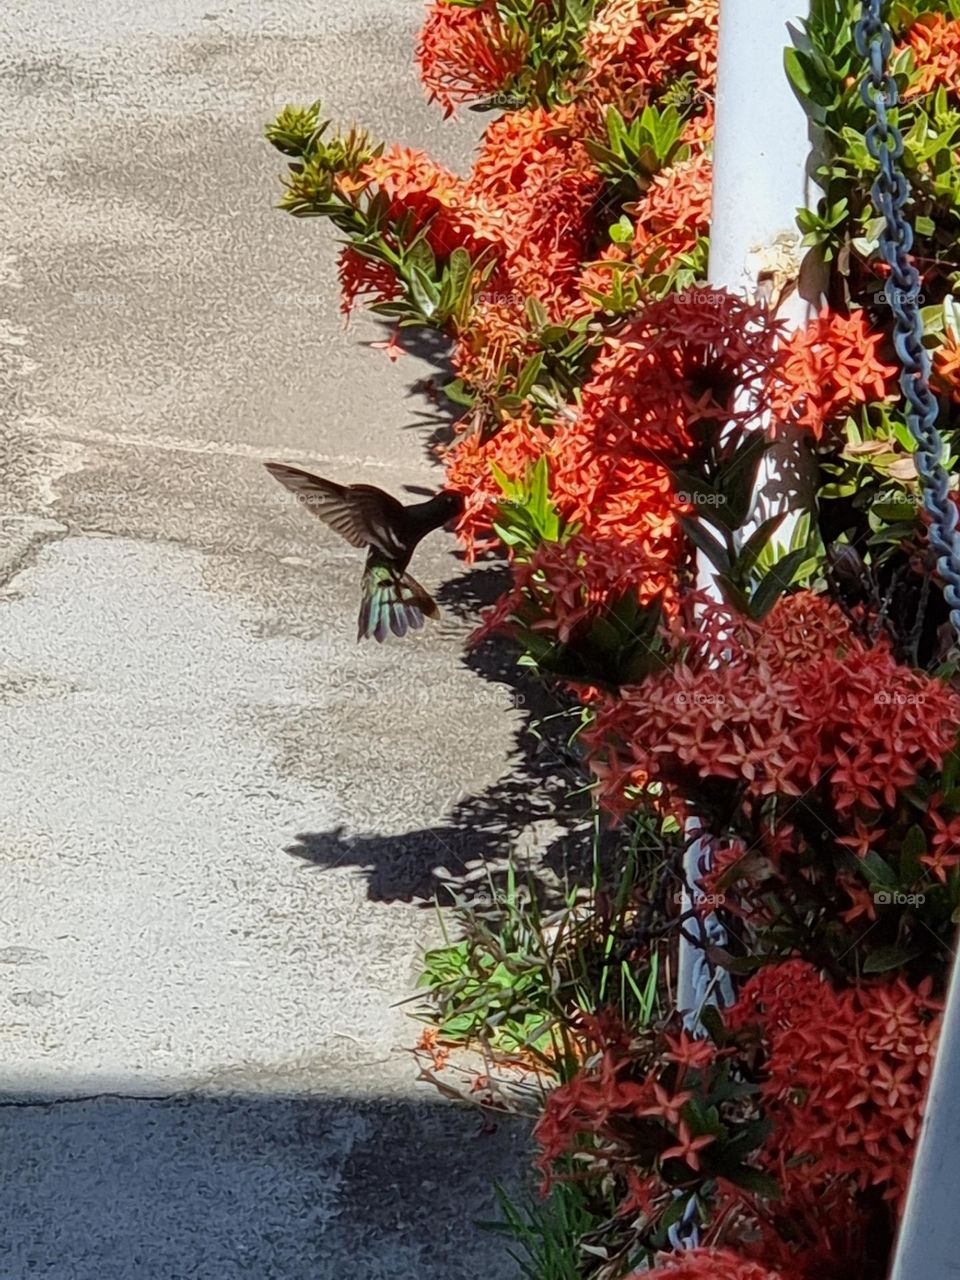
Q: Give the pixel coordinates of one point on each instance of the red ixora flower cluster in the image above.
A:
(679, 364)
(845, 1076)
(801, 705)
(622, 1105)
(652, 386)
(708, 1264)
(675, 211)
(534, 174)
(563, 587)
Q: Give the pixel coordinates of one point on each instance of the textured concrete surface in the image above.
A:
(265, 1187)
(220, 819)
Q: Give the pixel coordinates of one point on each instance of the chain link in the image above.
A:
(890, 194)
(685, 1233)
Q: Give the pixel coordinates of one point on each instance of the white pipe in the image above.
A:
(927, 1246)
(763, 154)
(761, 159)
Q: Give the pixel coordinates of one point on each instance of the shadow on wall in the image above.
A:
(435, 414)
(278, 1188)
(544, 785)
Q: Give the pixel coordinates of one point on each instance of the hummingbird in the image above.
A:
(367, 517)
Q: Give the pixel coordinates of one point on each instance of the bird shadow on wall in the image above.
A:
(538, 813)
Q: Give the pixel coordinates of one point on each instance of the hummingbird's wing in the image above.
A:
(362, 514)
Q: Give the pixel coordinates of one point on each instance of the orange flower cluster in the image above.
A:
(516, 446)
(434, 197)
(845, 1076)
(827, 368)
(364, 279)
(533, 172)
(946, 365)
(850, 722)
(467, 54)
(498, 334)
(528, 204)
(646, 44)
(516, 140)
(615, 495)
(935, 41)
(675, 211)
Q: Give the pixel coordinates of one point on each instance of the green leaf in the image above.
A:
(776, 583)
(424, 291)
(712, 1022)
(797, 72)
(705, 541)
(458, 393)
(529, 375)
(914, 844)
(951, 771)
(456, 275)
(622, 232)
(878, 871)
(886, 958)
(755, 1180)
(420, 255)
(616, 131)
(536, 313)
(755, 544)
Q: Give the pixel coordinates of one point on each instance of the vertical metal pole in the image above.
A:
(761, 159)
(927, 1245)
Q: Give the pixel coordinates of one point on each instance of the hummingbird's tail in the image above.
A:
(392, 601)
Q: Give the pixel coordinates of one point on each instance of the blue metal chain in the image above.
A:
(685, 1233)
(890, 194)
(710, 985)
